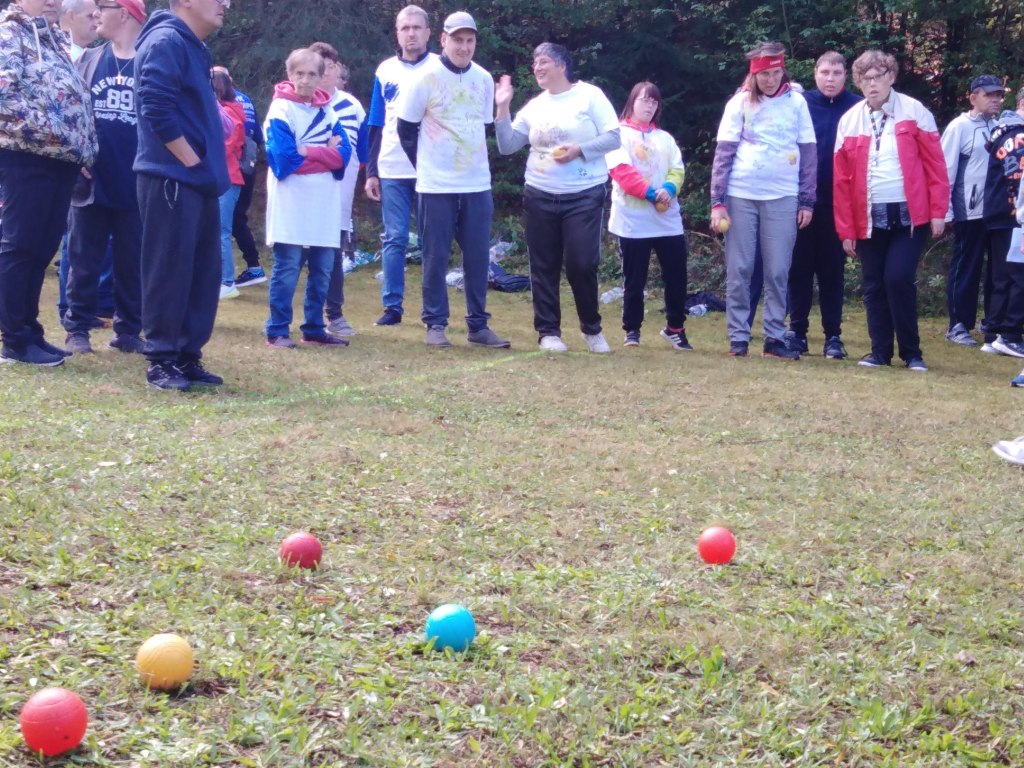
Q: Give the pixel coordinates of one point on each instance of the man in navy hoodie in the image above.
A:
(818, 250)
(182, 171)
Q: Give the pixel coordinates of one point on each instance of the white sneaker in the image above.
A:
(553, 344)
(229, 292)
(597, 343)
(1010, 450)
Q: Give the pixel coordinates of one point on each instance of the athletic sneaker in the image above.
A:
(325, 340)
(251, 276)
(871, 360)
(1010, 450)
(596, 343)
(916, 364)
(436, 337)
(632, 339)
(959, 334)
(485, 337)
(46, 346)
(280, 342)
(166, 376)
(77, 343)
(780, 349)
(797, 342)
(1009, 348)
(228, 292)
(738, 348)
(31, 355)
(552, 344)
(1018, 380)
(834, 349)
(127, 344)
(195, 373)
(390, 317)
(989, 346)
(677, 339)
(339, 327)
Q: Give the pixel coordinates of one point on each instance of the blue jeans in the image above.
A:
(227, 255)
(396, 201)
(466, 218)
(285, 277)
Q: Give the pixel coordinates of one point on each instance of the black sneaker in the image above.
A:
(834, 349)
(778, 348)
(676, 338)
(738, 349)
(251, 277)
(871, 360)
(797, 342)
(1009, 348)
(195, 373)
(31, 355)
(632, 339)
(77, 343)
(46, 346)
(916, 364)
(390, 317)
(166, 376)
(130, 345)
(325, 340)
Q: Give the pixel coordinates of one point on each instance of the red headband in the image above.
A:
(761, 63)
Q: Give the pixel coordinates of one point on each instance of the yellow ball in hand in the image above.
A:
(723, 226)
(164, 662)
(660, 207)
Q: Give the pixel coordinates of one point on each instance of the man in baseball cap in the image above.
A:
(459, 20)
(963, 144)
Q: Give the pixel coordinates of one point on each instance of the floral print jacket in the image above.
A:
(44, 104)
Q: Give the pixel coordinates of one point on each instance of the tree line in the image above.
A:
(693, 50)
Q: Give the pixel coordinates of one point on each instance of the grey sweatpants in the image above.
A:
(772, 223)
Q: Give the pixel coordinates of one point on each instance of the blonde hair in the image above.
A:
(874, 60)
(304, 54)
(763, 49)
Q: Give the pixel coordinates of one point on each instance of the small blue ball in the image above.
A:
(451, 626)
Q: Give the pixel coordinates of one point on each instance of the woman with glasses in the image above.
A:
(890, 189)
(762, 189)
(569, 128)
(647, 176)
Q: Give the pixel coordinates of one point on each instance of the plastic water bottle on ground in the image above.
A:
(612, 295)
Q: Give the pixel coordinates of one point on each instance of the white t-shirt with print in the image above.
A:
(767, 162)
(452, 110)
(652, 154)
(574, 116)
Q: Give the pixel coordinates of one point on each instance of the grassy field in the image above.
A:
(872, 616)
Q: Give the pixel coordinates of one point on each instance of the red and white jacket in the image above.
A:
(925, 180)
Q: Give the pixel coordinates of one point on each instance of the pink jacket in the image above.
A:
(925, 180)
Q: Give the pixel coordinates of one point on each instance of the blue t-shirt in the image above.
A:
(113, 105)
(252, 122)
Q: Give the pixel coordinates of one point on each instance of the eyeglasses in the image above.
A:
(872, 79)
(225, 3)
(646, 100)
(114, 7)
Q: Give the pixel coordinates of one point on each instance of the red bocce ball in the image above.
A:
(301, 549)
(53, 721)
(716, 545)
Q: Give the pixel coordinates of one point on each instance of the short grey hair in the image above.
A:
(414, 10)
(557, 53)
(71, 6)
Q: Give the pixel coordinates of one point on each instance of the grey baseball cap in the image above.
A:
(459, 20)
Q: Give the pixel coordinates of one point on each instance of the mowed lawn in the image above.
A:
(872, 616)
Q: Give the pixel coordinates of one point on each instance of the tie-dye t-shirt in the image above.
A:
(574, 116)
(652, 153)
(767, 163)
(452, 110)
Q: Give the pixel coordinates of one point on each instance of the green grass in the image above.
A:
(873, 614)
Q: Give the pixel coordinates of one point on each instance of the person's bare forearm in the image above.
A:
(182, 150)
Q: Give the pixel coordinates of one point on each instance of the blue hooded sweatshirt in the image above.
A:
(825, 114)
(174, 98)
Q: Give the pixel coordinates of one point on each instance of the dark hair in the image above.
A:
(222, 85)
(557, 53)
(750, 82)
(641, 88)
(326, 51)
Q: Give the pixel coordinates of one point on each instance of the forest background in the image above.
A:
(693, 51)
